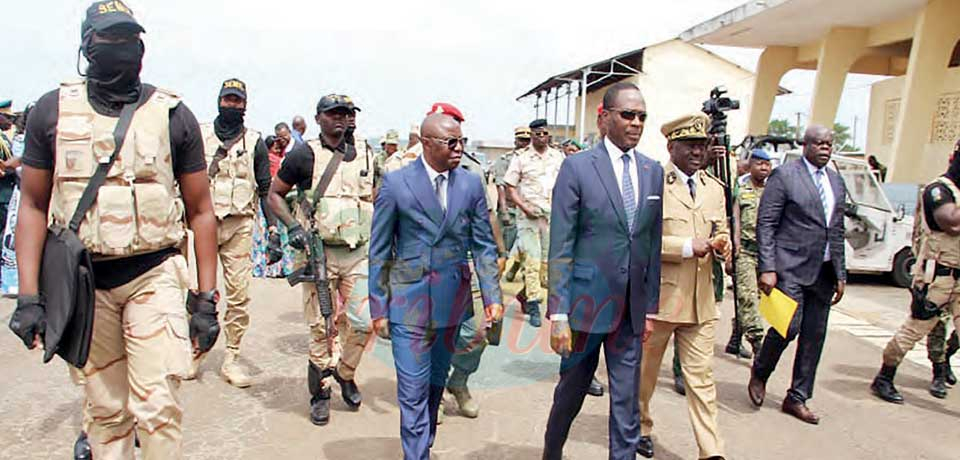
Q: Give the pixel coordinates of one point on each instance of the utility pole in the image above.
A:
(798, 125)
(854, 140)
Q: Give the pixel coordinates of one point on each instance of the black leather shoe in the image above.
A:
(951, 378)
(645, 447)
(81, 449)
(349, 391)
(679, 385)
(320, 408)
(595, 388)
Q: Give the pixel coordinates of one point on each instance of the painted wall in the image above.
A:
(677, 77)
(943, 127)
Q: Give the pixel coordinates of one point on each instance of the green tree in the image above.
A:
(781, 127)
(842, 139)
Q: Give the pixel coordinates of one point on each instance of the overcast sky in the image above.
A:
(394, 58)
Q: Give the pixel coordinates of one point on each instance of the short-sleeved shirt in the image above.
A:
(186, 147)
(934, 196)
(500, 166)
(534, 175)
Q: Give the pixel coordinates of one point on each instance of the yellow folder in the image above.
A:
(778, 310)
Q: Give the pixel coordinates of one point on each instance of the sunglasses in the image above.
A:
(541, 133)
(451, 142)
(629, 115)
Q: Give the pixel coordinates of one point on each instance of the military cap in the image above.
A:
(521, 132)
(335, 101)
(538, 123)
(235, 87)
(600, 109)
(759, 154)
(447, 109)
(392, 137)
(693, 126)
(6, 107)
(106, 14)
(572, 142)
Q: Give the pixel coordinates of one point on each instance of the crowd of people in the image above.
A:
(616, 251)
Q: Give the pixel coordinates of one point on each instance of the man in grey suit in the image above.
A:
(605, 237)
(800, 238)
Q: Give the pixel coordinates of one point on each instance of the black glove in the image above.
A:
(29, 320)
(297, 237)
(274, 251)
(204, 327)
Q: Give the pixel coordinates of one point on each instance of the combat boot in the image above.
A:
(319, 396)
(953, 344)
(465, 402)
(735, 345)
(938, 386)
(534, 308)
(522, 299)
(81, 449)
(349, 391)
(233, 373)
(882, 385)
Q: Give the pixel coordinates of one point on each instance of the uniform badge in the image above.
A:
(671, 177)
(936, 194)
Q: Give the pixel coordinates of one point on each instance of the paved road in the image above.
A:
(40, 415)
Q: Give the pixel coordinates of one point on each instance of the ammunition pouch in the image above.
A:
(921, 308)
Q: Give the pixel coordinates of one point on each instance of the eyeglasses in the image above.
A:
(450, 141)
(541, 133)
(629, 115)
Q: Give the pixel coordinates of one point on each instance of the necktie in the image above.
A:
(629, 199)
(823, 193)
(693, 188)
(438, 189)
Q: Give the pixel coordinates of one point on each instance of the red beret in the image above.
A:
(600, 109)
(447, 109)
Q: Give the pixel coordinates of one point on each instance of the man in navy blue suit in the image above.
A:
(427, 217)
(605, 240)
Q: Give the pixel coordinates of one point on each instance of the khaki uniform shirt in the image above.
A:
(686, 283)
(534, 174)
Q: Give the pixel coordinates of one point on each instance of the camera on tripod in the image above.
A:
(715, 108)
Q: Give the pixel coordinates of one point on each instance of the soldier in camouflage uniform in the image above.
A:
(342, 217)
(745, 235)
(506, 210)
(391, 144)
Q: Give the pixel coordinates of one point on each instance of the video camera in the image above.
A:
(715, 108)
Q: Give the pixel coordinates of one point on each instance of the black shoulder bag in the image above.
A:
(66, 270)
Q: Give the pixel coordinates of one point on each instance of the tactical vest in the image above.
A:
(234, 187)
(138, 209)
(341, 216)
(939, 246)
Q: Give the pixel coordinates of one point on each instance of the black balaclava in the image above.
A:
(114, 72)
(229, 124)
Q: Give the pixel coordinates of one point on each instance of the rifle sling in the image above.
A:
(222, 151)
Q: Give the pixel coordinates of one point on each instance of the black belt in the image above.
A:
(943, 270)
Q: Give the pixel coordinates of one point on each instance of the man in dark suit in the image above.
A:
(427, 216)
(605, 238)
(800, 241)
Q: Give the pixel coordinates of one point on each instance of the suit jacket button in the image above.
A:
(623, 269)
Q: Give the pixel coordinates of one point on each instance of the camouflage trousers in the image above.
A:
(347, 271)
(748, 297)
(937, 339)
(235, 239)
(534, 244)
(140, 351)
(944, 291)
(472, 338)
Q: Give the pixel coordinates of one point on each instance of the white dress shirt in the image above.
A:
(687, 250)
(828, 194)
(616, 158)
(432, 174)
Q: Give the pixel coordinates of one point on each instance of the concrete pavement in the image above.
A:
(40, 415)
